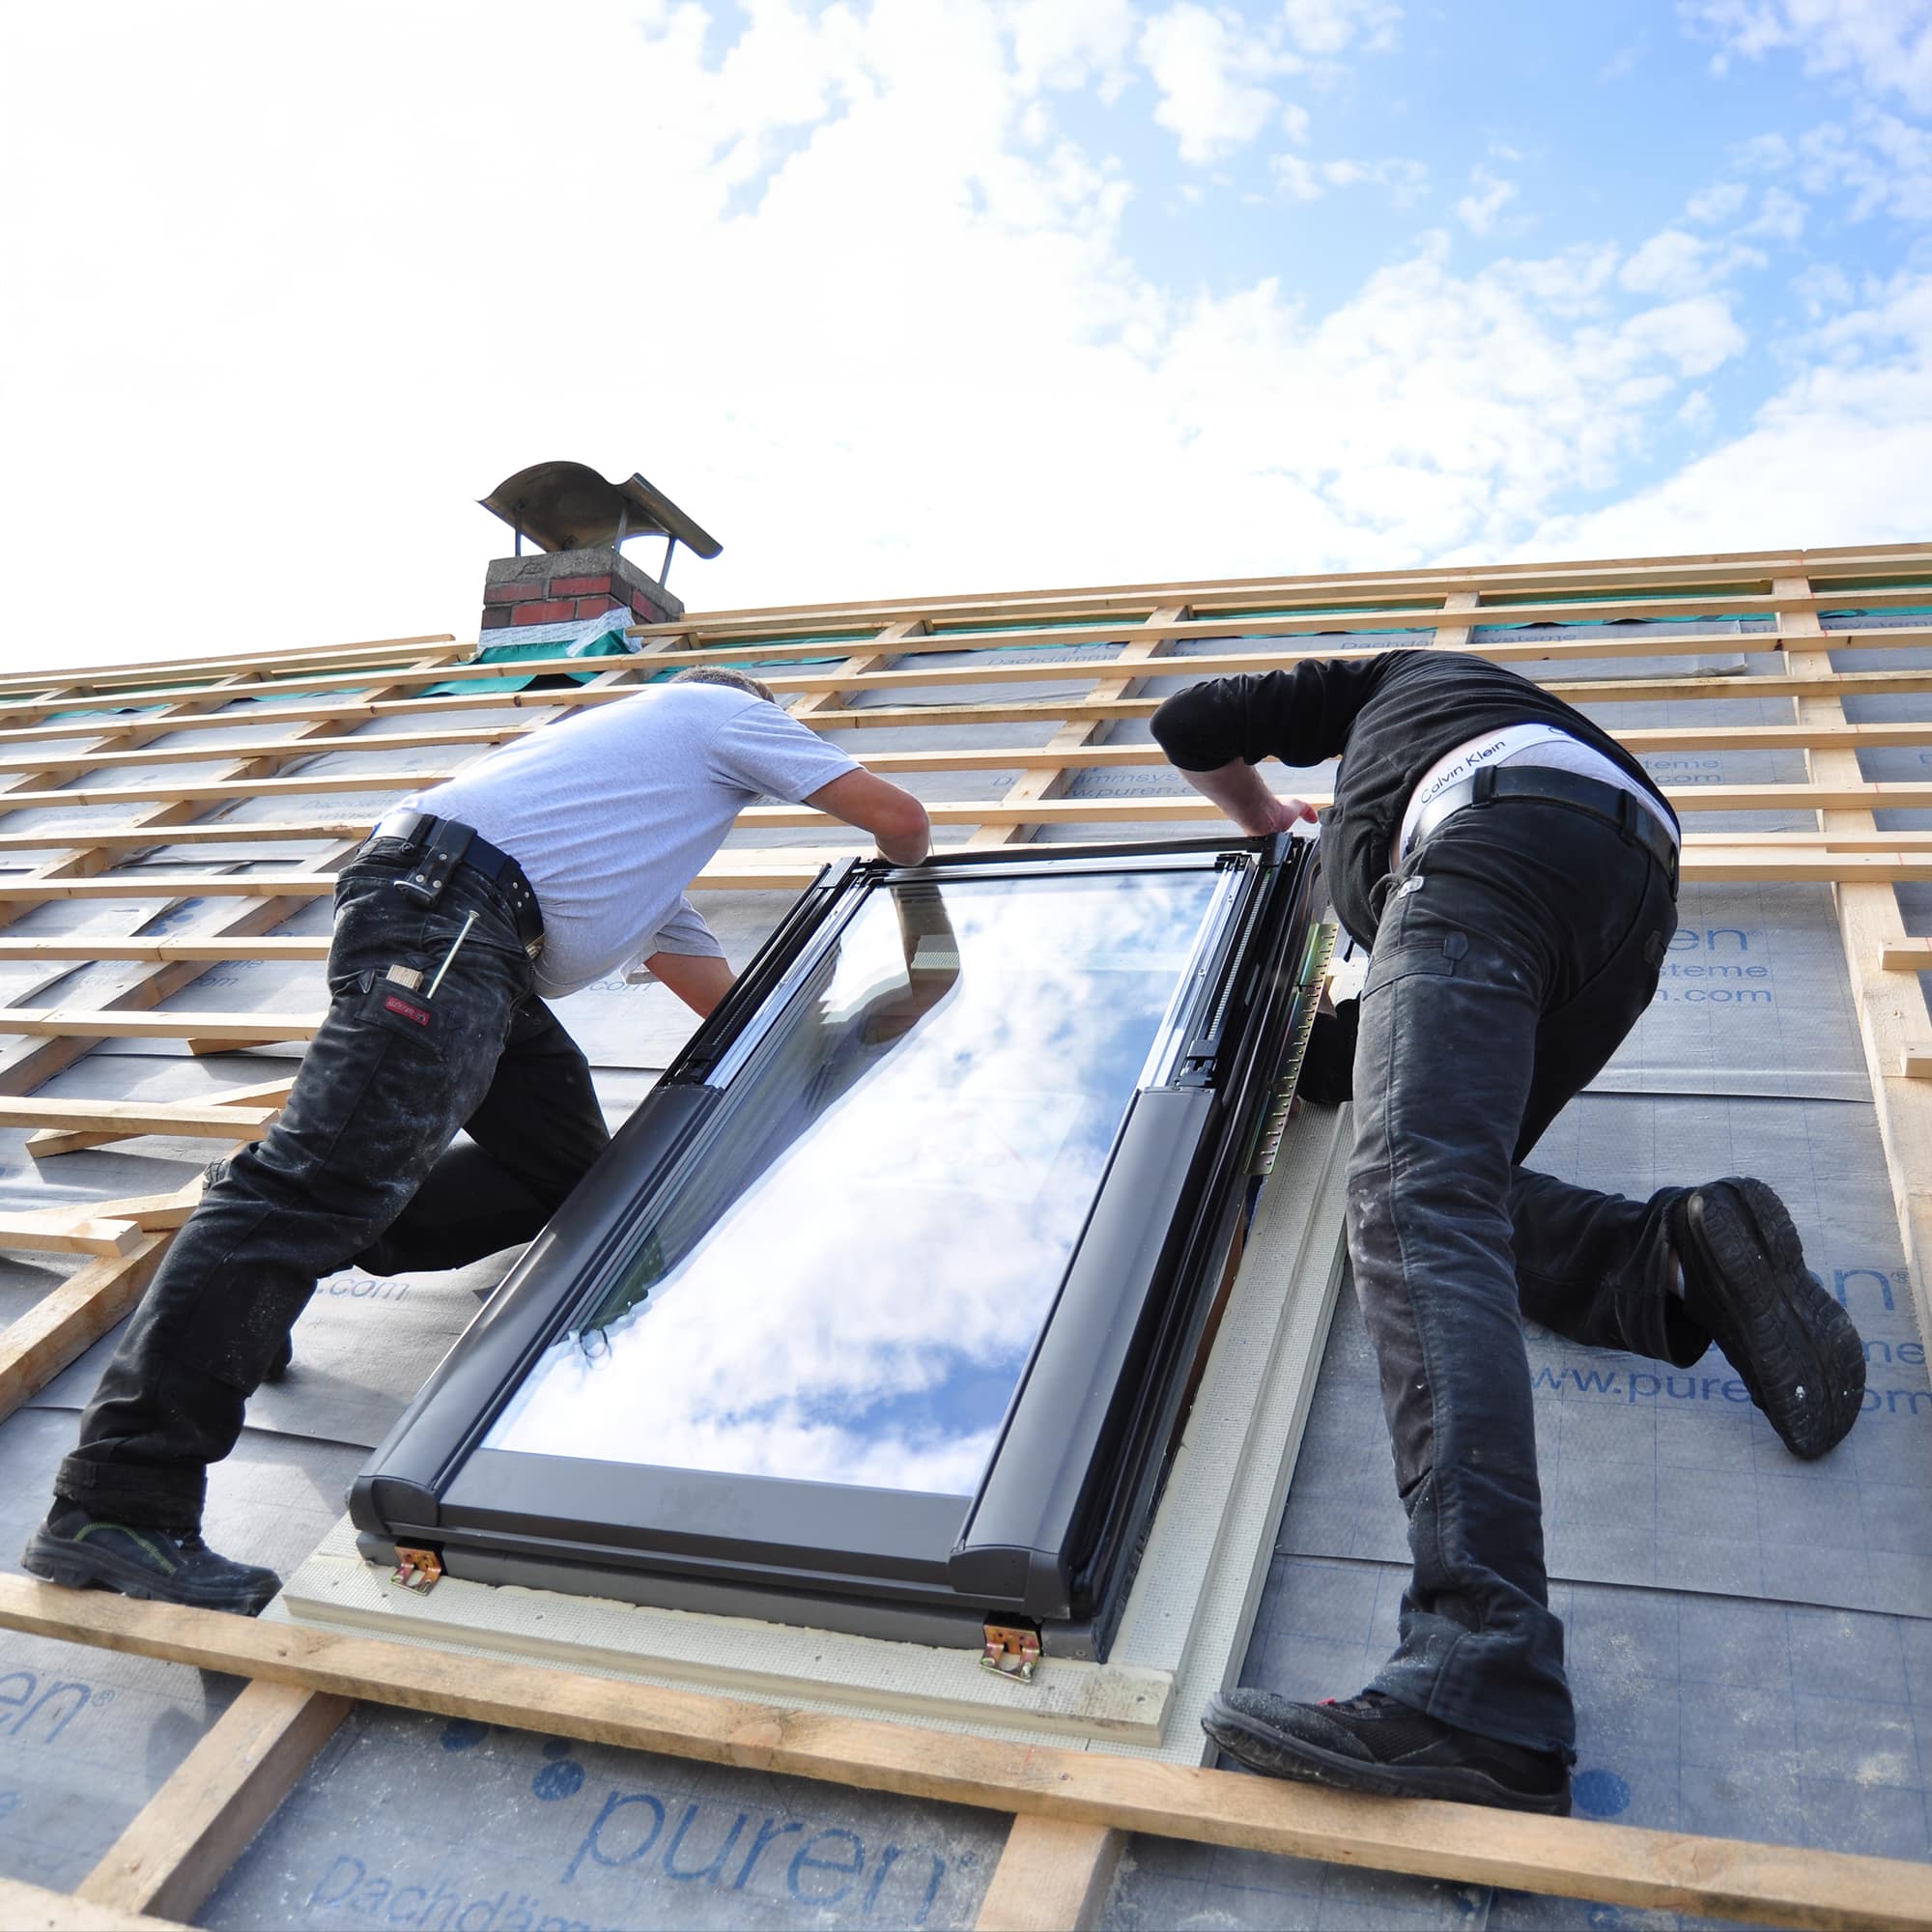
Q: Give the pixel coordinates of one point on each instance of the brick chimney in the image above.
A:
(554, 587)
(580, 522)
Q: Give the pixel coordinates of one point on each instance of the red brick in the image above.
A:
(512, 593)
(645, 608)
(595, 607)
(496, 620)
(545, 613)
(577, 586)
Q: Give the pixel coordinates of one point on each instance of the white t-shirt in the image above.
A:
(614, 812)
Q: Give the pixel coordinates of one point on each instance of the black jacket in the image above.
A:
(1390, 717)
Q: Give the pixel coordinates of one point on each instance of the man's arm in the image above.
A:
(894, 817)
(700, 980)
(1240, 791)
(1215, 732)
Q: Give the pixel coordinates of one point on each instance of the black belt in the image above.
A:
(436, 846)
(1635, 820)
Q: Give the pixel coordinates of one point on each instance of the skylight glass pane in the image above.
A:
(849, 1274)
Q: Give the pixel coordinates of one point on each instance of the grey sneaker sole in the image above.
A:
(1279, 1755)
(76, 1569)
(1797, 1350)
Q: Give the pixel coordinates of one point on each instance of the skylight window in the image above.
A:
(876, 1314)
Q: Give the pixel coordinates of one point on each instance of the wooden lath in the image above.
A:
(830, 660)
(175, 1850)
(836, 677)
(885, 648)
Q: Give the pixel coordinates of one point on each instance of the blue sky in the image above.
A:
(1520, 132)
(950, 295)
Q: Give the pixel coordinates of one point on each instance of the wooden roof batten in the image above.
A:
(830, 660)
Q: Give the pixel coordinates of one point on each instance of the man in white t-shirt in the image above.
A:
(553, 861)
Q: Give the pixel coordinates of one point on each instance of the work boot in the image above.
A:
(1374, 1744)
(1745, 1282)
(168, 1566)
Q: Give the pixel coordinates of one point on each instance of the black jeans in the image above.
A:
(358, 1166)
(1521, 944)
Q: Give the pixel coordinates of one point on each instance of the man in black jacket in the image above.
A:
(1515, 870)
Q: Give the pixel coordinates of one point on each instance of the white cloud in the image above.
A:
(1822, 286)
(1572, 283)
(1884, 164)
(1676, 263)
(1762, 154)
(1696, 411)
(1491, 194)
(1667, 263)
(1717, 203)
(1326, 27)
(1208, 72)
(1780, 216)
(1698, 333)
(1302, 180)
(1071, 44)
(1837, 457)
(1881, 163)
(1886, 45)
(1214, 72)
(1626, 59)
(1298, 179)
(843, 285)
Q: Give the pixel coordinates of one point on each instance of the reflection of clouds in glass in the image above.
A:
(862, 1311)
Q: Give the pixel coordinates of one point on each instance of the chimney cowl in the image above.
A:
(571, 507)
(579, 522)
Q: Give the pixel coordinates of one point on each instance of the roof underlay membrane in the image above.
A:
(1750, 1637)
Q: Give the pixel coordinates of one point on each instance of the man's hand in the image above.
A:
(1284, 814)
(1242, 793)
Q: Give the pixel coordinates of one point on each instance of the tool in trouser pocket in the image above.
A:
(455, 945)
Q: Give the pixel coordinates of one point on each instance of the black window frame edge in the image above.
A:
(945, 1562)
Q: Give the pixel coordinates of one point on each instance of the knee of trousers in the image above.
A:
(236, 1340)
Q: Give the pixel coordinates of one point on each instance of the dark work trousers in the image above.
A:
(358, 1166)
(1521, 944)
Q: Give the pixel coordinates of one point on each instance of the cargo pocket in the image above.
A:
(401, 1009)
(1434, 954)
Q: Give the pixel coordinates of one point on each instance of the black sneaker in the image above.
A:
(1744, 1280)
(1374, 1744)
(168, 1566)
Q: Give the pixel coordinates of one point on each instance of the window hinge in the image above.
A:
(417, 1569)
(1011, 1651)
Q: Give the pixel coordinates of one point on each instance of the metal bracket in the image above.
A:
(1310, 981)
(1011, 1651)
(417, 1569)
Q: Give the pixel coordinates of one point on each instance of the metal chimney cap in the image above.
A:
(570, 506)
